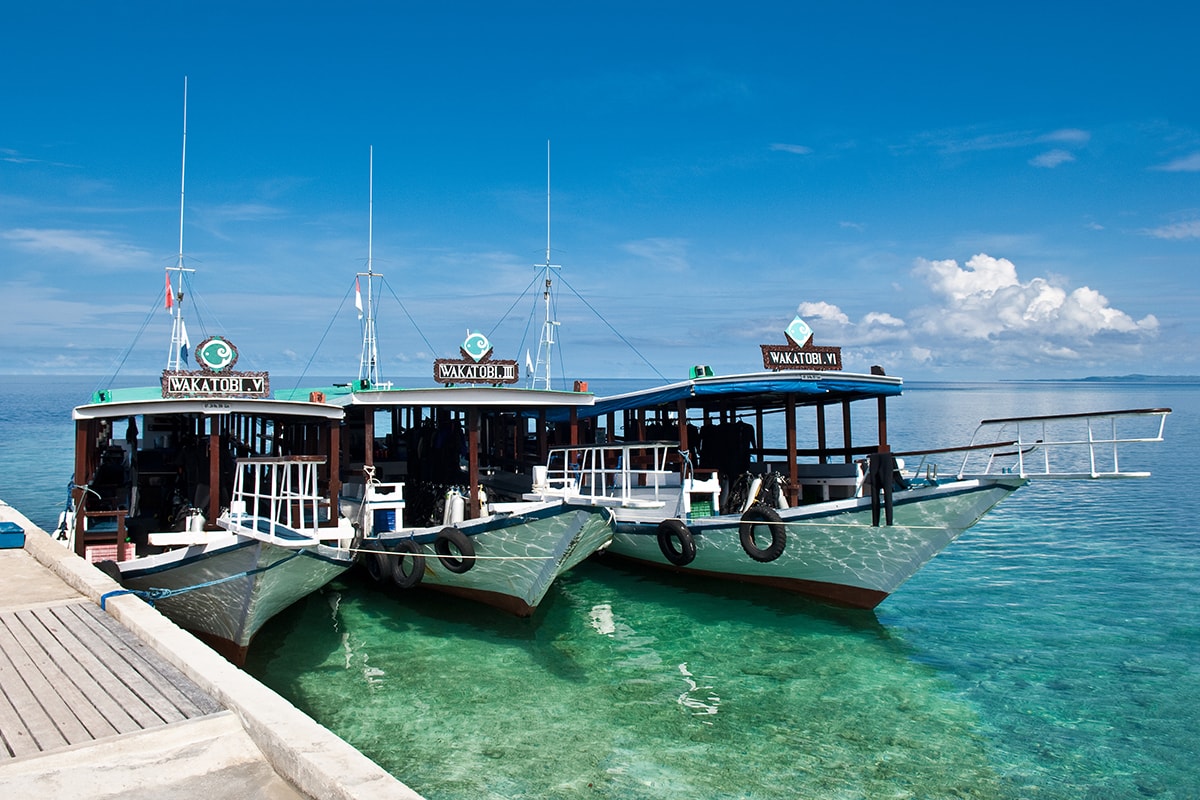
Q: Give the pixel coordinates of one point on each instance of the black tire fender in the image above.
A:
(408, 552)
(676, 542)
(755, 517)
(455, 549)
(377, 566)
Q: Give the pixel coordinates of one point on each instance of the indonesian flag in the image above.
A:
(357, 298)
(170, 294)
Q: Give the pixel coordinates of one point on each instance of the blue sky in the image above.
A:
(952, 191)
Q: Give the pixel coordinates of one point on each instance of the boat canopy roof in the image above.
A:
(470, 396)
(765, 390)
(119, 403)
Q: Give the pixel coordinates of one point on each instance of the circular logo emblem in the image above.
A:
(216, 354)
(476, 346)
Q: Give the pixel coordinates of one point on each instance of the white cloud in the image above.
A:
(798, 149)
(1189, 163)
(1067, 136)
(1052, 159)
(663, 253)
(984, 276)
(1178, 230)
(822, 311)
(987, 301)
(97, 247)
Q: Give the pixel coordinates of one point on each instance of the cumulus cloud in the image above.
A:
(985, 300)
(823, 311)
(984, 312)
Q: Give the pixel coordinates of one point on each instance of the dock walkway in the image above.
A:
(122, 703)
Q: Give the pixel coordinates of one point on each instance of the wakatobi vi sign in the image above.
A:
(800, 352)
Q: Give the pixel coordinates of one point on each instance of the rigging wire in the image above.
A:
(416, 327)
(324, 334)
(600, 316)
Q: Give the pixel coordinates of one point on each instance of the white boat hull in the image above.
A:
(241, 584)
(517, 556)
(832, 551)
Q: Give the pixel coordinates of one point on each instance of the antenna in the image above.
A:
(546, 343)
(177, 351)
(368, 362)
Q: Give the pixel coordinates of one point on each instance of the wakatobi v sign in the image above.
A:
(216, 377)
(800, 352)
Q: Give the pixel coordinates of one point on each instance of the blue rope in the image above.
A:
(150, 595)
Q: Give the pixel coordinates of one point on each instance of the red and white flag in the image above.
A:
(170, 294)
(357, 297)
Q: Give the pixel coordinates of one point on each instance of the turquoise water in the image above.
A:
(1050, 653)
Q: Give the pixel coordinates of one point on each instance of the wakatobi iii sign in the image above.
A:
(800, 352)
(476, 365)
(216, 377)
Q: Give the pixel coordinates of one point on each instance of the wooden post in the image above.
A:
(793, 471)
(214, 475)
(847, 437)
(473, 461)
(84, 435)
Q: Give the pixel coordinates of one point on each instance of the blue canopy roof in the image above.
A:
(750, 391)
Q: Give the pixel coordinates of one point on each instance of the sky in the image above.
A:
(952, 191)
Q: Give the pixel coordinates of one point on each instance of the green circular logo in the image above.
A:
(216, 354)
(476, 346)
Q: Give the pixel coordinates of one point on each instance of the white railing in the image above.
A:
(618, 471)
(277, 497)
(1062, 446)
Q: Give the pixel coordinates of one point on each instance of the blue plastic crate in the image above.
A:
(12, 536)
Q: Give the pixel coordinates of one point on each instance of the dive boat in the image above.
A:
(434, 476)
(217, 505)
(695, 488)
(438, 497)
(204, 495)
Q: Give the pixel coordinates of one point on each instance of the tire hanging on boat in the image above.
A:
(377, 566)
(456, 550)
(755, 517)
(408, 552)
(676, 542)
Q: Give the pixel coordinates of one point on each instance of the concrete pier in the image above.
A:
(123, 703)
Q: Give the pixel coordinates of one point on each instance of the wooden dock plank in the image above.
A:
(86, 645)
(13, 677)
(58, 696)
(77, 688)
(14, 735)
(117, 658)
(179, 689)
(69, 673)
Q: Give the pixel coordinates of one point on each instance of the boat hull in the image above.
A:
(517, 556)
(832, 550)
(240, 584)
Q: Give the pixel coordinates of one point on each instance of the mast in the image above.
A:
(368, 362)
(542, 370)
(177, 355)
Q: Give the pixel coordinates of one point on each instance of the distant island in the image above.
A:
(1135, 378)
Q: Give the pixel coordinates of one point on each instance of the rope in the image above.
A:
(455, 558)
(150, 595)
